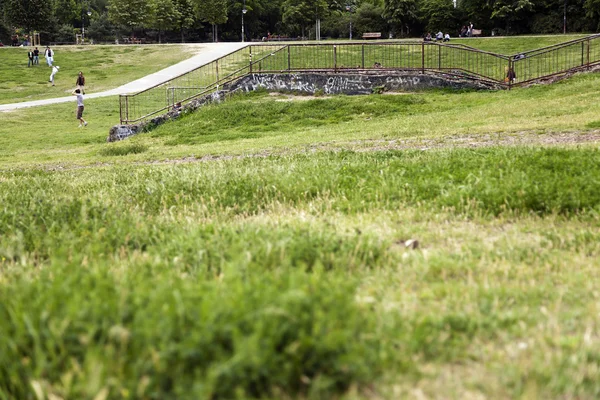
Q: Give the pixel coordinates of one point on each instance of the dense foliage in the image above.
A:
(204, 20)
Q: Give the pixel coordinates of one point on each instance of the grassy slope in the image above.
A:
(260, 122)
(105, 67)
(286, 276)
(514, 45)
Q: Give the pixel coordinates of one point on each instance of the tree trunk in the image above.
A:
(182, 37)
(159, 37)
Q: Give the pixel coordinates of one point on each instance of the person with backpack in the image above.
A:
(30, 58)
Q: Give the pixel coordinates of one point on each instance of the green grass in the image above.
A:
(276, 267)
(286, 277)
(105, 67)
(259, 122)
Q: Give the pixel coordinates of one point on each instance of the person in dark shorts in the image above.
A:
(80, 107)
(80, 83)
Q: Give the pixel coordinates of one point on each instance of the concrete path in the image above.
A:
(208, 53)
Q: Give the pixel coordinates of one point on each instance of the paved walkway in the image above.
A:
(208, 53)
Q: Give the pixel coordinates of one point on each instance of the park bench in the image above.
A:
(371, 35)
(133, 40)
(476, 32)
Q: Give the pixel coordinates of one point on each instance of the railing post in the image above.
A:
(126, 109)
(289, 59)
(250, 69)
(423, 57)
(511, 66)
(334, 58)
(363, 56)
(217, 68)
(582, 59)
(121, 108)
(588, 54)
(439, 57)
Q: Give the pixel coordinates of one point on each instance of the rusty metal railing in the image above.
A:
(162, 97)
(572, 56)
(449, 59)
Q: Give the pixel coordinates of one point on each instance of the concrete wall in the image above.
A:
(356, 83)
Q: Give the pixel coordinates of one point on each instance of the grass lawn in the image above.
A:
(105, 67)
(260, 122)
(508, 45)
(258, 249)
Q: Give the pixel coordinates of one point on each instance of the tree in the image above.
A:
(214, 12)
(368, 18)
(299, 14)
(100, 29)
(592, 11)
(511, 13)
(131, 13)
(185, 15)
(165, 17)
(439, 15)
(66, 11)
(29, 14)
(400, 13)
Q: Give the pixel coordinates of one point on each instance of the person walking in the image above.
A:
(49, 54)
(36, 57)
(54, 71)
(29, 58)
(80, 83)
(80, 107)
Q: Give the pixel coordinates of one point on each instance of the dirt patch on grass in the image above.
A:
(293, 97)
(473, 141)
(532, 139)
(451, 142)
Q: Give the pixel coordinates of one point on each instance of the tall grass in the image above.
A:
(287, 277)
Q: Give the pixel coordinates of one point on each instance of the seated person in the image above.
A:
(439, 36)
(427, 37)
(447, 37)
(510, 75)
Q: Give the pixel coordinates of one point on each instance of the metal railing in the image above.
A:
(450, 59)
(575, 55)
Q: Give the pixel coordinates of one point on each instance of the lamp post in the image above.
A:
(244, 11)
(565, 18)
(89, 14)
(349, 9)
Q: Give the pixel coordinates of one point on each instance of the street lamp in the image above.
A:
(244, 11)
(349, 9)
(89, 14)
